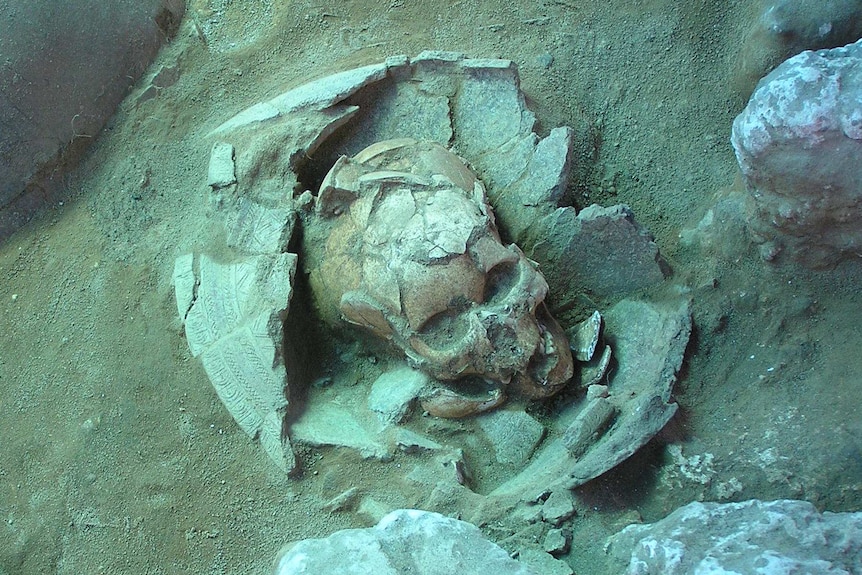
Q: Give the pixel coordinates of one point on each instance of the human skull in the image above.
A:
(413, 256)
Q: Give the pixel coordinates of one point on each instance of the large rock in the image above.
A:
(754, 536)
(799, 144)
(65, 67)
(785, 28)
(404, 542)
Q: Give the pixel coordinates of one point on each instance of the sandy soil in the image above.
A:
(116, 456)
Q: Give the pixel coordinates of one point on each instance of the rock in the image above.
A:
(404, 541)
(513, 434)
(343, 501)
(545, 60)
(723, 231)
(372, 511)
(393, 393)
(64, 70)
(602, 251)
(557, 542)
(558, 507)
(597, 391)
(787, 27)
(544, 563)
(753, 536)
(798, 143)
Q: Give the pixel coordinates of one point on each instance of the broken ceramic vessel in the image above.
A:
(415, 258)
(264, 163)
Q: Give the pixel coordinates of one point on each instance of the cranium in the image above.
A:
(413, 256)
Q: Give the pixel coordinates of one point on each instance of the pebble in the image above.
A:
(545, 60)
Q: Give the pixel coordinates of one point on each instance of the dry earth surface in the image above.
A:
(116, 456)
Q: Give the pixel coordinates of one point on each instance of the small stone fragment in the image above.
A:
(342, 501)
(372, 510)
(222, 171)
(558, 507)
(545, 60)
(412, 442)
(166, 77)
(544, 563)
(557, 542)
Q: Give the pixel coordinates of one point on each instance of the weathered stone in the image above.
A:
(798, 143)
(64, 70)
(544, 563)
(787, 27)
(557, 541)
(343, 501)
(371, 510)
(602, 251)
(392, 394)
(512, 433)
(404, 541)
(596, 391)
(753, 536)
(558, 507)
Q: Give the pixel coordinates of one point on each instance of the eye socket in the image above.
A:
(500, 282)
(444, 330)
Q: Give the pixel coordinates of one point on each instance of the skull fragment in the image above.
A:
(413, 256)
